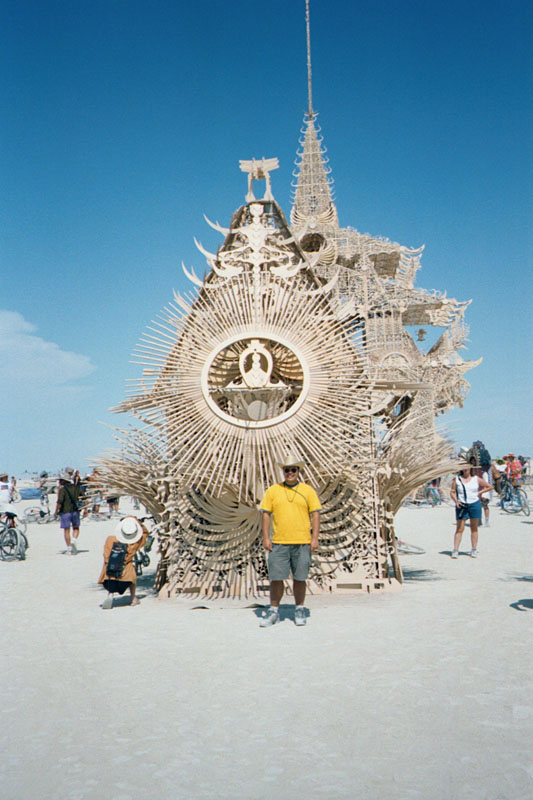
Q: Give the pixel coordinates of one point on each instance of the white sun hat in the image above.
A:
(128, 531)
(291, 461)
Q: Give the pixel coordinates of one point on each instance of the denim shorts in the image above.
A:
(286, 558)
(70, 519)
(468, 511)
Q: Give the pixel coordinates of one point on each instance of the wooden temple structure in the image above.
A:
(299, 339)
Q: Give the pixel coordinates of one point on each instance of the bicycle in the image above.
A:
(41, 513)
(141, 558)
(513, 499)
(11, 519)
(13, 544)
(404, 548)
(95, 516)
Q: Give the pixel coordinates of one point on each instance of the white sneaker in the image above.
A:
(455, 553)
(474, 553)
(108, 602)
(300, 617)
(73, 548)
(270, 618)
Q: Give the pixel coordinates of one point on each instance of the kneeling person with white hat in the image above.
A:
(294, 509)
(130, 535)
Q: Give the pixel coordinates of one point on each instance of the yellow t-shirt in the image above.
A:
(291, 510)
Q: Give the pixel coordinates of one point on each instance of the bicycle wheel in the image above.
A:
(408, 549)
(524, 502)
(9, 545)
(21, 524)
(32, 514)
(510, 503)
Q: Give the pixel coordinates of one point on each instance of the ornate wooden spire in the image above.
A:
(313, 203)
(309, 73)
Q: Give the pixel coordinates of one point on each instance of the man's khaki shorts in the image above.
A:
(286, 558)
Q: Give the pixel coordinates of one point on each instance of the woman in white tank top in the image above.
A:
(466, 491)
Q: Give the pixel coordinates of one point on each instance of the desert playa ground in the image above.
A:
(423, 694)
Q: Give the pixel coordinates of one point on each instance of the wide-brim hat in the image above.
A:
(291, 461)
(64, 476)
(128, 530)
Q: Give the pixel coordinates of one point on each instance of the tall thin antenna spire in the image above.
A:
(309, 85)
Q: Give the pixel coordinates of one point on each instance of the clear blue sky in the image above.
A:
(124, 121)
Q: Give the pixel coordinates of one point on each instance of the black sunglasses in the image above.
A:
(291, 469)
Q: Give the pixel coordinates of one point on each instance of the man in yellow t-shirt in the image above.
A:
(294, 509)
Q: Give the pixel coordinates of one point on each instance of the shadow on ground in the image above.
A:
(286, 611)
(420, 575)
(145, 584)
(523, 605)
(517, 576)
(449, 553)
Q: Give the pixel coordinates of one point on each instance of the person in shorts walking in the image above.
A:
(293, 508)
(67, 507)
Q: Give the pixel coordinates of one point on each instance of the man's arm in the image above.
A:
(58, 503)
(265, 528)
(315, 529)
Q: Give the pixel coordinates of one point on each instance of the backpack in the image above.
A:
(117, 556)
(484, 457)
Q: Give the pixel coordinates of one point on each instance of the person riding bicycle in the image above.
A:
(513, 470)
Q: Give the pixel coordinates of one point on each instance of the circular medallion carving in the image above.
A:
(255, 381)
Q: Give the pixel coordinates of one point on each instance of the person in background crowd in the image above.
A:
(485, 501)
(513, 470)
(499, 468)
(5, 490)
(112, 503)
(43, 485)
(94, 491)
